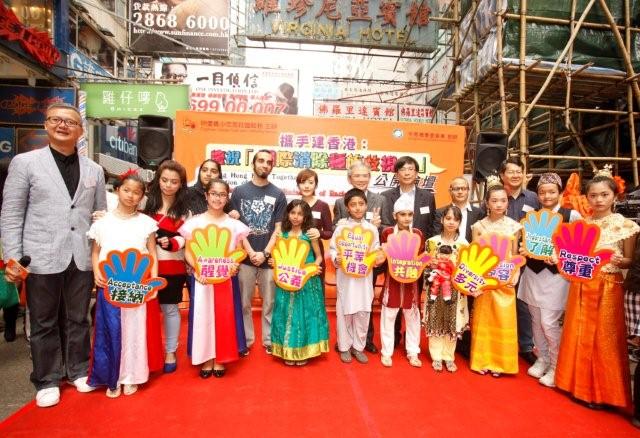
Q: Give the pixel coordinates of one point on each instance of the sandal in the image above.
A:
(482, 372)
(451, 366)
(495, 374)
(130, 389)
(415, 362)
(289, 362)
(114, 393)
(301, 363)
(437, 365)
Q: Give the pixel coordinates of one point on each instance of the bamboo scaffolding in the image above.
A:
(523, 84)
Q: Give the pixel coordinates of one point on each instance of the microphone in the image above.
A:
(25, 261)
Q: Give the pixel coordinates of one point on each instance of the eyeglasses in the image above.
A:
(217, 195)
(55, 121)
(459, 189)
(176, 76)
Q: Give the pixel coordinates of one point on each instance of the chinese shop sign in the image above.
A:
(37, 43)
(125, 101)
(28, 105)
(201, 25)
(210, 248)
(538, 227)
(508, 263)
(472, 274)
(401, 249)
(353, 109)
(290, 272)
(575, 245)
(231, 89)
(354, 246)
(329, 146)
(385, 24)
(128, 278)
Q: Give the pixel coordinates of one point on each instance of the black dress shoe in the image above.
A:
(529, 357)
(219, 373)
(205, 374)
(10, 333)
(371, 348)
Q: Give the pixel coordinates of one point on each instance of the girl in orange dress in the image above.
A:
(593, 364)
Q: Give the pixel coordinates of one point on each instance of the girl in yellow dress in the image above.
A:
(494, 335)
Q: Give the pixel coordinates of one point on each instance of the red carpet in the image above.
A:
(260, 396)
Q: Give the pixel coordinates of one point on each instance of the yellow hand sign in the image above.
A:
(354, 245)
(472, 273)
(289, 256)
(209, 248)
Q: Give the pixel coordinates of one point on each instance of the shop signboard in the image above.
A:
(83, 67)
(128, 101)
(24, 105)
(7, 142)
(231, 89)
(203, 26)
(378, 24)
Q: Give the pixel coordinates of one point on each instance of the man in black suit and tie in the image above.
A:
(459, 192)
(424, 206)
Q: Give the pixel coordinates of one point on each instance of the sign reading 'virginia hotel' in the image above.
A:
(383, 24)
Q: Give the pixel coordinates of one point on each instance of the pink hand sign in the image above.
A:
(405, 265)
(508, 264)
(577, 258)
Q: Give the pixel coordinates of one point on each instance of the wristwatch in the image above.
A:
(267, 255)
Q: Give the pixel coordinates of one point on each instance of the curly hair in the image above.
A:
(307, 221)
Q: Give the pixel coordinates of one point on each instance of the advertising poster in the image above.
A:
(329, 146)
(355, 109)
(230, 89)
(120, 142)
(200, 24)
(28, 105)
(30, 139)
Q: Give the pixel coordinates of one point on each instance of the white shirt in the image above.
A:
(463, 223)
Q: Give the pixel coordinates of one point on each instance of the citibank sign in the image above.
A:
(119, 142)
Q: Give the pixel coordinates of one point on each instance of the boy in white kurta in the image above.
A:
(354, 294)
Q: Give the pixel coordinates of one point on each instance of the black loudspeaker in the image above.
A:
(489, 153)
(155, 141)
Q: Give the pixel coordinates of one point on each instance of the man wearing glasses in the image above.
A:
(521, 201)
(49, 197)
(175, 71)
(459, 192)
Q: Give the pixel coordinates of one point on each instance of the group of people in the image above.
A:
(578, 329)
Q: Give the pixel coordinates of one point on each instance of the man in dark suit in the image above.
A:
(459, 192)
(424, 206)
(359, 176)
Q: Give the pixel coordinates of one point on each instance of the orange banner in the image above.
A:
(328, 146)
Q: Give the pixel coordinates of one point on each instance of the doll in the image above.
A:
(440, 277)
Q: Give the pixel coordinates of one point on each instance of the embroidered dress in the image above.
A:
(593, 364)
(441, 318)
(215, 329)
(299, 328)
(126, 341)
(494, 334)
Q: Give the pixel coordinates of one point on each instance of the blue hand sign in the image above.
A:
(128, 281)
(539, 226)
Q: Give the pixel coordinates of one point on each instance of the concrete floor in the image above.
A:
(15, 367)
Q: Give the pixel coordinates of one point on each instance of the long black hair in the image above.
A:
(180, 207)
(307, 222)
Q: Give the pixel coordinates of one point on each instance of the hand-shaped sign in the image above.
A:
(575, 245)
(354, 245)
(289, 269)
(209, 248)
(539, 226)
(509, 263)
(128, 281)
(401, 249)
(471, 274)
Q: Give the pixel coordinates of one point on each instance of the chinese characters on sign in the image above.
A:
(214, 253)
(404, 264)
(232, 89)
(203, 26)
(578, 259)
(354, 248)
(353, 109)
(291, 271)
(538, 227)
(372, 23)
(215, 269)
(130, 101)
